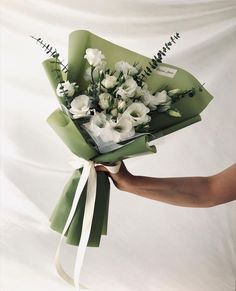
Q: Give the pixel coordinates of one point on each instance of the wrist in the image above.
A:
(128, 184)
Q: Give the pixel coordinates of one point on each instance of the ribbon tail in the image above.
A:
(87, 223)
(83, 179)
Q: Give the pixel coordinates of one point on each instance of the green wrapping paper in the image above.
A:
(70, 134)
(99, 223)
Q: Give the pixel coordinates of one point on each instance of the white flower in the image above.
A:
(161, 97)
(97, 123)
(117, 131)
(105, 100)
(80, 106)
(160, 101)
(109, 81)
(163, 101)
(103, 127)
(137, 113)
(164, 107)
(152, 101)
(127, 89)
(149, 100)
(125, 68)
(173, 92)
(66, 89)
(96, 72)
(94, 56)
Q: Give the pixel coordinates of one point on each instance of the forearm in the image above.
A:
(189, 191)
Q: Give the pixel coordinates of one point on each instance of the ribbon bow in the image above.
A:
(88, 175)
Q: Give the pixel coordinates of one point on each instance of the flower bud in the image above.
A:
(174, 113)
(105, 100)
(121, 105)
(109, 81)
(114, 112)
(173, 92)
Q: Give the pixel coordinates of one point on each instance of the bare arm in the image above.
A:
(186, 191)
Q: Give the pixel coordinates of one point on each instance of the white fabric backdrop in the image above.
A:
(150, 246)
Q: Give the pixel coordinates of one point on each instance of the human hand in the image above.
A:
(122, 179)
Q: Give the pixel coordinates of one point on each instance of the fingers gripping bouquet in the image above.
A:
(113, 102)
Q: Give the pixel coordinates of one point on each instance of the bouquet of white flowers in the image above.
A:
(113, 101)
(116, 104)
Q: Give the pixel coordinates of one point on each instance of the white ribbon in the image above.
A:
(88, 174)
